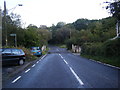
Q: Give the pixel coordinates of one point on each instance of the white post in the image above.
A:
(15, 40)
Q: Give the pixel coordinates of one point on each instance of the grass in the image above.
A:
(115, 61)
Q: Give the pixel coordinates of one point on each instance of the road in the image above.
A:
(61, 69)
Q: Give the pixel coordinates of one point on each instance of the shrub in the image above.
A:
(112, 47)
(69, 44)
(92, 48)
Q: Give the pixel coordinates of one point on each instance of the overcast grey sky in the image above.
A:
(48, 12)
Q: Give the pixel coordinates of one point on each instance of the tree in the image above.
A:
(60, 24)
(114, 8)
(32, 26)
(81, 24)
(10, 24)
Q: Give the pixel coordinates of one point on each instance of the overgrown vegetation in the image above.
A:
(107, 52)
(92, 35)
(27, 37)
(115, 61)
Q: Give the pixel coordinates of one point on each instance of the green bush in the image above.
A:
(109, 48)
(112, 47)
(92, 48)
(68, 44)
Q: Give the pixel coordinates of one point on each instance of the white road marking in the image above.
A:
(61, 56)
(27, 70)
(33, 65)
(37, 62)
(104, 64)
(65, 61)
(43, 56)
(16, 79)
(76, 76)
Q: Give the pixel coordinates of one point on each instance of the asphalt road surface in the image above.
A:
(61, 69)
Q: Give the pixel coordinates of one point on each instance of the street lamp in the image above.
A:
(5, 27)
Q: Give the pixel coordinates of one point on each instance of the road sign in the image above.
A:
(12, 34)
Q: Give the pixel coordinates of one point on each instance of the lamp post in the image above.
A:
(5, 24)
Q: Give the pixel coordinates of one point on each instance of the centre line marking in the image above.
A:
(76, 76)
(27, 70)
(65, 61)
(37, 61)
(16, 79)
(61, 56)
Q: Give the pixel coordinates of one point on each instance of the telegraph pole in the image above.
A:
(5, 26)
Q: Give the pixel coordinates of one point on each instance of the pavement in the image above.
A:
(62, 69)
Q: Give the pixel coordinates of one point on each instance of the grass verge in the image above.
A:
(115, 61)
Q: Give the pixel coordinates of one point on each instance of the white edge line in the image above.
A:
(76, 76)
(105, 64)
(16, 79)
(44, 56)
(33, 65)
(27, 70)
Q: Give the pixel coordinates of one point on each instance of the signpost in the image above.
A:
(14, 35)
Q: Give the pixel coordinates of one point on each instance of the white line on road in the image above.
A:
(33, 65)
(104, 64)
(76, 76)
(61, 56)
(37, 62)
(43, 56)
(27, 70)
(16, 79)
(65, 61)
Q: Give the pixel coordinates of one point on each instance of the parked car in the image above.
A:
(36, 51)
(12, 56)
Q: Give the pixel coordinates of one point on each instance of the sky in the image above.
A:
(48, 12)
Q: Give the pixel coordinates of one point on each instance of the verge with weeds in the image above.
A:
(106, 52)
